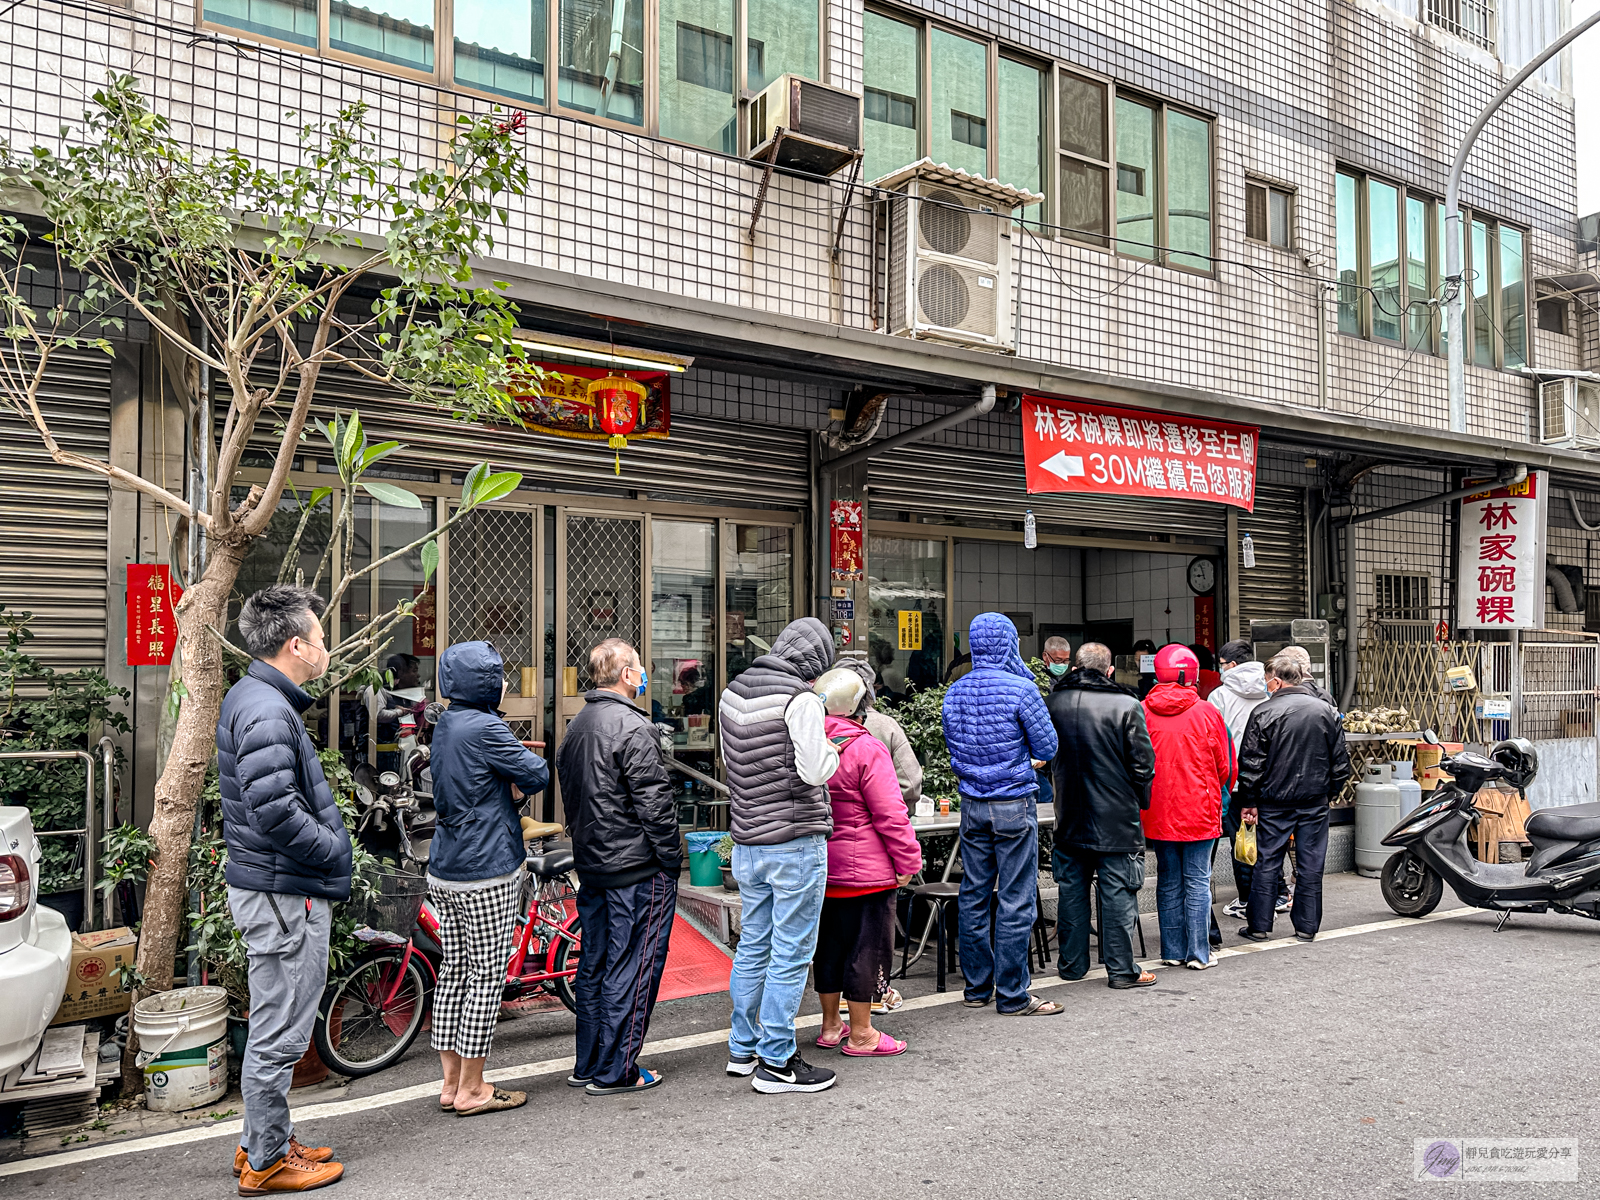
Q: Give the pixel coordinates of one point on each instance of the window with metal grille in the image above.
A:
(1470, 20)
(1402, 598)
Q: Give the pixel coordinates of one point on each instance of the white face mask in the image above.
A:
(317, 658)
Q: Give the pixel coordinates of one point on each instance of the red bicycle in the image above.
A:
(371, 1014)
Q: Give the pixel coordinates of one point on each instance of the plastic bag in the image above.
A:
(702, 841)
(1244, 845)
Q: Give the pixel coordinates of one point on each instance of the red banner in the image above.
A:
(152, 627)
(424, 622)
(1082, 446)
(849, 562)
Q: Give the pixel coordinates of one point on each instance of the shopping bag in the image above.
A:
(1244, 845)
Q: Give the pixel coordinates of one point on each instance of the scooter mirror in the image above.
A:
(430, 714)
(1431, 737)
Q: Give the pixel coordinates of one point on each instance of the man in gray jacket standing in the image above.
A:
(776, 747)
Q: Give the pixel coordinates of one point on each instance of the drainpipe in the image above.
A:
(977, 408)
(1506, 477)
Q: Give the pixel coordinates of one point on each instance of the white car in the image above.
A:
(35, 945)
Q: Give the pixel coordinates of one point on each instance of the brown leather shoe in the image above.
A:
(289, 1174)
(316, 1154)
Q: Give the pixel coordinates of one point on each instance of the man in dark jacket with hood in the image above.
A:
(624, 826)
(775, 744)
(1102, 778)
(288, 860)
(1292, 762)
(996, 727)
(481, 772)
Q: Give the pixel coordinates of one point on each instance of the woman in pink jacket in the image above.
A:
(871, 853)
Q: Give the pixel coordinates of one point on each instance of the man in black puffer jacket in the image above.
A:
(288, 860)
(625, 842)
(1101, 775)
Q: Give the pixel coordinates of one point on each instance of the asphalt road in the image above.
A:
(1304, 1071)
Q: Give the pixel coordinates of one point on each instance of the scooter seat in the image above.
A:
(1565, 823)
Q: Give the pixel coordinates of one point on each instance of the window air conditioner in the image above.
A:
(821, 125)
(949, 252)
(1569, 413)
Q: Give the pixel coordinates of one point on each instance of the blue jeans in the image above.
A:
(1120, 876)
(780, 893)
(1308, 826)
(999, 854)
(1183, 898)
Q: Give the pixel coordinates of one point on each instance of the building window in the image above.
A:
(958, 86)
(288, 20)
(1023, 91)
(1470, 20)
(397, 31)
(1267, 214)
(1085, 136)
(1390, 259)
(501, 47)
(1163, 181)
(782, 37)
(697, 68)
(1402, 598)
(602, 59)
(891, 60)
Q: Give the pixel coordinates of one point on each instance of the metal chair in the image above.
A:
(939, 896)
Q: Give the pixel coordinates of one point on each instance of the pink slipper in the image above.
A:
(844, 1032)
(886, 1048)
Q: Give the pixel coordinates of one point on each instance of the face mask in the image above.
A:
(644, 682)
(320, 656)
(1057, 669)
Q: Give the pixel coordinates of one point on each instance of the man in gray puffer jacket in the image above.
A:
(779, 760)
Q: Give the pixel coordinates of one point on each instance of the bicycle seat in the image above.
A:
(1565, 823)
(553, 862)
(532, 829)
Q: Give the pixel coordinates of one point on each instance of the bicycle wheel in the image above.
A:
(566, 959)
(361, 1028)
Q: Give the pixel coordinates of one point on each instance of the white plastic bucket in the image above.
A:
(183, 1047)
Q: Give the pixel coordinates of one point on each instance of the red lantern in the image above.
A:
(619, 409)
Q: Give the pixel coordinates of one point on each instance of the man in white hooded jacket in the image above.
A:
(1243, 690)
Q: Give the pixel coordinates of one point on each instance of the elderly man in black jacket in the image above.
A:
(1101, 775)
(625, 841)
(288, 860)
(1292, 762)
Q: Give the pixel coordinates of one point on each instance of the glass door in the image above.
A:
(600, 564)
(758, 587)
(683, 636)
(909, 612)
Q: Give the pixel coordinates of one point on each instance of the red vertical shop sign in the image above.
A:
(1205, 622)
(152, 625)
(848, 560)
(424, 622)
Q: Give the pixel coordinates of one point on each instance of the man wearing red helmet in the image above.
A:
(1194, 762)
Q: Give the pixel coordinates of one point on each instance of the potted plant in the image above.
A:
(724, 849)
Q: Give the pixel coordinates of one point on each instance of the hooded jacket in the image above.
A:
(1102, 772)
(872, 840)
(1243, 690)
(617, 794)
(279, 819)
(1293, 754)
(774, 741)
(1194, 762)
(995, 720)
(475, 759)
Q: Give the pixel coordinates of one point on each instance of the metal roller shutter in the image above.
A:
(958, 483)
(703, 460)
(1275, 589)
(53, 530)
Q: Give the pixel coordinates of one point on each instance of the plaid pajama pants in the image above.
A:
(477, 930)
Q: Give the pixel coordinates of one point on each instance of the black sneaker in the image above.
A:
(796, 1075)
(742, 1064)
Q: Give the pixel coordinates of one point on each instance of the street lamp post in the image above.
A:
(1456, 302)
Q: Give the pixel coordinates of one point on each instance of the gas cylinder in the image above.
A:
(1377, 812)
(1410, 789)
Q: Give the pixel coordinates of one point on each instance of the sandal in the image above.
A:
(844, 1032)
(1036, 1008)
(647, 1079)
(890, 1001)
(984, 1003)
(1144, 979)
(887, 1047)
(500, 1101)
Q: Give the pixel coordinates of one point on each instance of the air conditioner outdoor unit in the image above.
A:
(1569, 413)
(949, 254)
(821, 125)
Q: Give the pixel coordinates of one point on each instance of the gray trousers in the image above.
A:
(288, 946)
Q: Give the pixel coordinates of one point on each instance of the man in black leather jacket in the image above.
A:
(1292, 762)
(624, 825)
(1101, 776)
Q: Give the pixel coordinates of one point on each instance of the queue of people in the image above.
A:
(821, 786)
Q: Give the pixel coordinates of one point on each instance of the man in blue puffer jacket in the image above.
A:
(997, 729)
(288, 860)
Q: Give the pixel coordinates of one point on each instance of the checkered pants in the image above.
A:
(477, 930)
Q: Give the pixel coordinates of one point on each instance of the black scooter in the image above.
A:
(1563, 875)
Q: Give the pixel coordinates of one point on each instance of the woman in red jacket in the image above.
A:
(872, 852)
(1194, 762)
